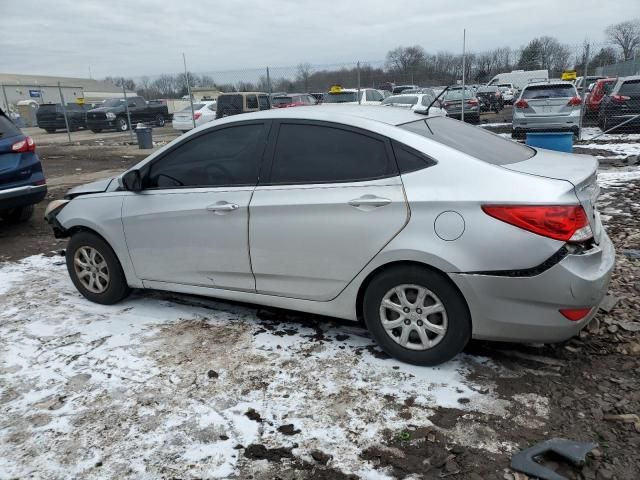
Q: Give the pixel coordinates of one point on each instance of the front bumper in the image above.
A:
(526, 309)
(22, 196)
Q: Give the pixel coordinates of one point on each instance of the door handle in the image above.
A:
(371, 201)
(222, 207)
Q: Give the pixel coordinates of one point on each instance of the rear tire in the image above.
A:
(121, 124)
(453, 322)
(17, 215)
(96, 130)
(50, 130)
(95, 270)
(160, 120)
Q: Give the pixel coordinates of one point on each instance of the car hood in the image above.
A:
(98, 186)
(102, 109)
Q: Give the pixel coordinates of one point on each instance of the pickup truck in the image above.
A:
(50, 117)
(113, 114)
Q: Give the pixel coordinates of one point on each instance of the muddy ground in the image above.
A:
(587, 389)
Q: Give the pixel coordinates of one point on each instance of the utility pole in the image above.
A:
(464, 64)
(359, 94)
(126, 106)
(64, 112)
(584, 91)
(186, 78)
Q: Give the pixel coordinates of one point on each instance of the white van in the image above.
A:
(520, 78)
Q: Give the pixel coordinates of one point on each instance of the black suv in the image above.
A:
(50, 117)
(621, 105)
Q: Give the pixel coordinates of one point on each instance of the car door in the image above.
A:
(331, 201)
(189, 224)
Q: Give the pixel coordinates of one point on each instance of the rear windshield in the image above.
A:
(50, 107)
(281, 100)
(474, 141)
(196, 106)
(7, 128)
(457, 94)
(401, 99)
(229, 104)
(487, 89)
(549, 91)
(341, 97)
(630, 88)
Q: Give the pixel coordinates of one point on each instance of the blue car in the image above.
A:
(22, 182)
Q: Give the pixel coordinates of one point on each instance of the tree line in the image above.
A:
(414, 65)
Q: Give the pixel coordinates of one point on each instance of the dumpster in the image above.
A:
(559, 141)
(145, 136)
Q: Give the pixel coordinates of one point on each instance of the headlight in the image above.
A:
(111, 116)
(54, 208)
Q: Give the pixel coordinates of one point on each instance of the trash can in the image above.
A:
(559, 141)
(145, 136)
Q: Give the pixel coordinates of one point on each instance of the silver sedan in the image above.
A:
(431, 230)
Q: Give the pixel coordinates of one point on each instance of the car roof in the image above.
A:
(551, 82)
(242, 93)
(347, 114)
(630, 77)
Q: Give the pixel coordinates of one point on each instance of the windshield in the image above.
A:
(473, 141)
(7, 128)
(548, 91)
(341, 97)
(114, 102)
(631, 88)
(457, 94)
(401, 99)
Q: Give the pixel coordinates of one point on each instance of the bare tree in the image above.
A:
(303, 75)
(625, 35)
(406, 59)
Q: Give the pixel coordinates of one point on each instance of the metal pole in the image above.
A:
(269, 84)
(126, 106)
(186, 79)
(464, 44)
(6, 102)
(584, 92)
(64, 112)
(359, 95)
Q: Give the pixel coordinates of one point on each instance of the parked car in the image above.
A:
(518, 79)
(401, 88)
(203, 112)
(293, 100)
(113, 114)
(508, 93)
(490, 99)
(418, 102)
(590, 80)
(50, 117)
(452, 102)
(368, 96)
(597, 92)
(621, 105)
(552, 106)
(319, 96)
(495, 227)
(241, 102)
(22, 182)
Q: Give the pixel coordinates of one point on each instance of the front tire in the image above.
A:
(96, 130)
(416, 315)
(50, 130)
(95, 270)
(121, 124)
(160, 120)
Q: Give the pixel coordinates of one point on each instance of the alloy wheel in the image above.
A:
(413, 316)
(91, 269)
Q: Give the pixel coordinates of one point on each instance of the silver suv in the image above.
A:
(547, 107)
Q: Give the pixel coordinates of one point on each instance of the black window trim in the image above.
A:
(428, 161)
(269, 154)
(260, 153)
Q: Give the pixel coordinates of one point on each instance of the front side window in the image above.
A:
(252, 101)
(225, 157)
(322, 154)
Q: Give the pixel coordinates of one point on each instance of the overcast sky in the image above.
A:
(147, 37)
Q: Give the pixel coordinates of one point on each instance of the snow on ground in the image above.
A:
(589, 132)
(619, 177)
(159, 385)
(619, 150)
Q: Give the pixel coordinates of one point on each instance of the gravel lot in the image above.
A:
(173, 386)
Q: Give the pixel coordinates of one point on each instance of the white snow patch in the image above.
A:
(618, 178)
(589, 132)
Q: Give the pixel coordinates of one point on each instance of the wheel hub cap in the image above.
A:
(413, 316)
(91, 269)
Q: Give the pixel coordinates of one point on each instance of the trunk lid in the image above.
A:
(579, 170)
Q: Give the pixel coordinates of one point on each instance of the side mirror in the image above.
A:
(132, 104)
(131, 181)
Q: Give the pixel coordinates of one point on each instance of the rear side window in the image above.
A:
(229, 105)
(252, 101)
(410, 160)
(630, 88)
(320, 154)
(7, 128)
(473, 141)
(263, 100)
(549, 91)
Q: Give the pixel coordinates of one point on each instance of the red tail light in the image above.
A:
(575, 101)
(444, 104)
(575, 314)
(620, 98)
(567, 223)
(197, 115)
(521, 104)
(472, 102)
(26, 145)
